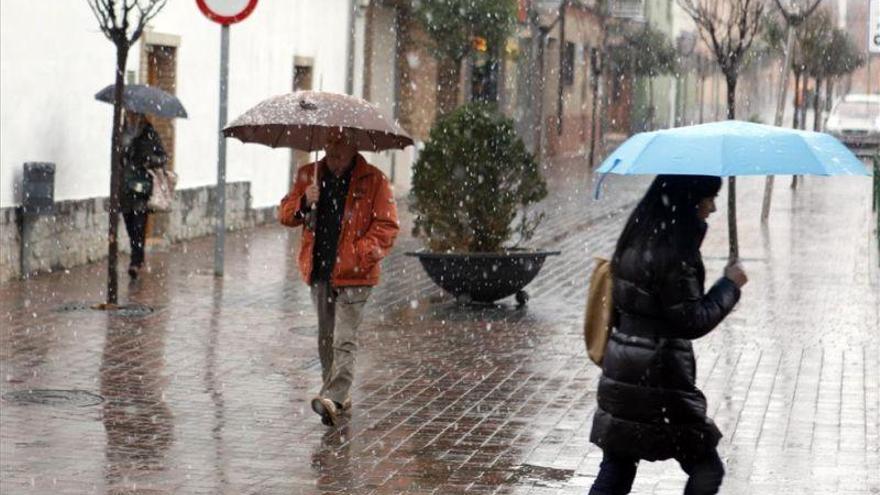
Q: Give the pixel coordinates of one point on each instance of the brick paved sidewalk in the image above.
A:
(209, 393)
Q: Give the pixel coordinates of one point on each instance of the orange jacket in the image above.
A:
(369, 224)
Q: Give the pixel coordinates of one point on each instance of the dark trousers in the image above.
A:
(616, 475)
(136, 225)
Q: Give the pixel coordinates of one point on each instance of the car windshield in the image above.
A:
(858, 110)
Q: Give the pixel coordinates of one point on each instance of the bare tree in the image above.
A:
(816, 41)
(728, 28)
(794, 15)
(703, 68)
(122, 22)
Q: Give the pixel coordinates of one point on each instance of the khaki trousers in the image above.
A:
(340, 312)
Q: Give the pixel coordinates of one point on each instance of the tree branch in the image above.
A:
(101, 17)
(126, 9)
(146, 14)
(795, 18)
(728, 30)
(110, 7)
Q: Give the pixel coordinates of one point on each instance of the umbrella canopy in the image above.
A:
(301, 120)
(732, 148)
(145, 99)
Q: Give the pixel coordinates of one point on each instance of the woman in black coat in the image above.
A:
(648, 404)
(142, 150)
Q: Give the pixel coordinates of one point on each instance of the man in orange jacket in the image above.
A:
(349, 218)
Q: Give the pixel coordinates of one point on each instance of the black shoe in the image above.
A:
(328, 410)
(133, 272)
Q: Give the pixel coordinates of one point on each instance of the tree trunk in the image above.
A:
(702, 96)
(802, 120)
(593, 118)
(780, 111)
(796, 99)
(115, 177)
(682, 120)
(733, 255)
(716, 90)
(805, 85)
(449, 80)
(829, 93)
(817, 108)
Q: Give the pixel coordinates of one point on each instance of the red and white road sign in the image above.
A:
(226, 12)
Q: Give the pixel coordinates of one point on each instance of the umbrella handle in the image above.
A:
(602, 179)
(315, 178)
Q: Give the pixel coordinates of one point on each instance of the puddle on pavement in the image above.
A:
(542, 476)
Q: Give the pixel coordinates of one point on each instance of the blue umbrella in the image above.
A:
(728, 149)
(732, 148)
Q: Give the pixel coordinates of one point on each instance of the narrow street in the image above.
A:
(207, 388)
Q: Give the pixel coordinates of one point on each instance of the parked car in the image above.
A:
(855, 120)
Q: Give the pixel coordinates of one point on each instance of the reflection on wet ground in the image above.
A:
(209, 392)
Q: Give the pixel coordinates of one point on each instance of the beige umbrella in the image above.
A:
(301, 120)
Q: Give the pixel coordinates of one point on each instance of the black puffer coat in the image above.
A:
(649, 406)
(145, 151)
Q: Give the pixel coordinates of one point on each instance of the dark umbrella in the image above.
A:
(301, 120)
(145, 99)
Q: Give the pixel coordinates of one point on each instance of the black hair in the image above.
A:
(666, 217)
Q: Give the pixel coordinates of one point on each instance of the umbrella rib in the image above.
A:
(278, 138)
(370, 135)
(642, 151)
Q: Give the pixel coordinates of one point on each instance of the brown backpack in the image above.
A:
(600, 311)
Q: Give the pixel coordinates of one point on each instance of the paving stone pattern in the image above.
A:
(209, 393)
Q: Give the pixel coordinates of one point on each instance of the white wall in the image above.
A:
(53, 59)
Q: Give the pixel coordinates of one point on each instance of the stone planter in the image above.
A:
(484, 277)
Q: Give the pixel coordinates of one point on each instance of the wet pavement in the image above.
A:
(205, 388)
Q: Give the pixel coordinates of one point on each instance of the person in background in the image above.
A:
(141, 150)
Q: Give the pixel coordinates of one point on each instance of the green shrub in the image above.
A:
(473, 183)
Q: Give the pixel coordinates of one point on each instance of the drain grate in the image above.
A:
(73, 306)
(134, 311)
(47, 397)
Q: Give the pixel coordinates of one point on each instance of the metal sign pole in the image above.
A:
(873, 38)
(220, 223)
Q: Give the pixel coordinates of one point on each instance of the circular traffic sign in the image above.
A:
(226, 11)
